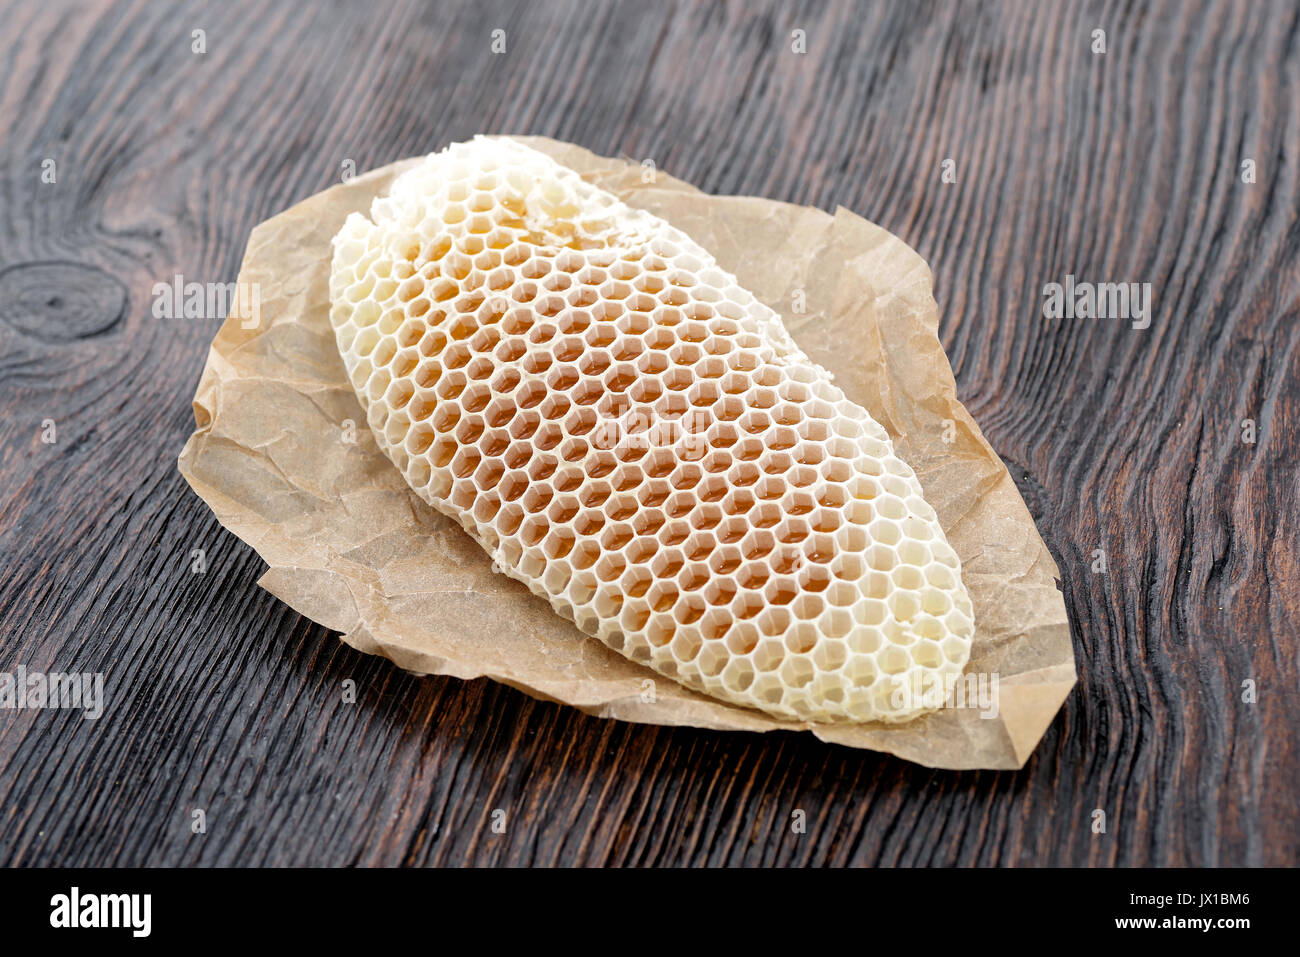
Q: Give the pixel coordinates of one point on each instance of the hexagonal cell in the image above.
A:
(663, 594)
(797, 671)
(608, 603)
(742, 476)
(594, 362)
(686, 476)
(907, 577)
(903, 605)
(648, 521)
(653, 493)
(698, 546)
(704, 393)
(893, 660)
(509, 519)
(610, 566)
(572, 322)
(442, 452)
(944, 555)
(559, 542)
(587, 392)
(769, 689)
(465, 462)
(738, 675)
(706, 516)
(542, 467)
(819, 548)
(753, 575)
(525, 425)
(722, 435)
(582, 588)
(895, 486)
(616, 535)
(891, 507)
(680, 504)
(913, 553)
(693, 576)
(801, 477)
(939, 576)
(729, 409)
(713, 488)
(768, 654)
(536, 499)
(600, 335)
(584, 555)
(621, 506)
(419, 439)
(685, 354)
(792, 531)
(494, 442)
(477, 371)
(660, 338)
(489, 473)
(556, 577)
(689, 608)
(541, 334)
(719, 591)
(748, 449)
(686, 646)
(808, 607)
(659, 463)
(917, 529)
(781, 590)
(518, 455)
(574, 450)
(594, 494)
(885, 532)
(770, 489)
(813, 579)
(782, 438)
(758, 543)
(485, 508)
(959, 619)
(955, 649)
(724, 560)
(927, 654)
(666, 562)
(563, 509)
(626, 347)
(531, 563)
(713, 658)
(716, 461)
(852, 538)
(642, 550)
(875, 585)
(835, 623)
(555, 406)
(635, 582)
(830, 688)
(826, 521)
(842, 595)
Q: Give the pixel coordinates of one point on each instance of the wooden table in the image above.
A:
(1119, 166)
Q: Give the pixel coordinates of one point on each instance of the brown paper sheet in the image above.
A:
(352, 547)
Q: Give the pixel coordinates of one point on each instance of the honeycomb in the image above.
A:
(638, 440)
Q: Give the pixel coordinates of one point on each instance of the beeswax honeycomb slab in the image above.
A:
(350, 545)
(631, 434)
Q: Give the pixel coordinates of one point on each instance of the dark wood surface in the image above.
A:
(1122, 166)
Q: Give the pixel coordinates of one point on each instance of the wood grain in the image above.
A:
(1122, 166)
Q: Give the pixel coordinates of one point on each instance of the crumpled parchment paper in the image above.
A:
(282, 455)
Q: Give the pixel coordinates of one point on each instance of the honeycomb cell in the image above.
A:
(636, 438)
